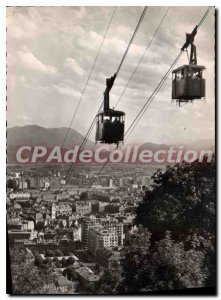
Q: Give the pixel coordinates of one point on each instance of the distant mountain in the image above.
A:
(154, 147)
(49, 137)
(33, 135)
(203, 144)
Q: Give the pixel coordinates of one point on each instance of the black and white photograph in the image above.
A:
(111, 149)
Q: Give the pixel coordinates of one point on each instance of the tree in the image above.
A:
(58, 253)
(176, 246)
(48, 262)
(70, 273)
(162, 266)
(134, 259)
(182, 199)
(26, 277)
(49, 253)
(111, 209)
(39, 261)
(70, 261)
(63, 262)
(106, 285)
(39, 226)
(84, 196)
(35, 252)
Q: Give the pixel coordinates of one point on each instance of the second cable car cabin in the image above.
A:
(188, 83)
(110, 122)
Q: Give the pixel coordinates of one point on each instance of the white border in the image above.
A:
(110, 3)
(3, 148)
(3, 4)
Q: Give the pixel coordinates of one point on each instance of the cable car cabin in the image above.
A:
(188, 83)
(110, 127)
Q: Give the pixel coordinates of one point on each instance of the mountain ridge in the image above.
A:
(35, 135)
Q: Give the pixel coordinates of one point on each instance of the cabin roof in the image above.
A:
(112, 113)
(197, 67)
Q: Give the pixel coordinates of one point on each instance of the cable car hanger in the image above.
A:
(110, 122)
(120, 65)
(149, 44)
(188, 83)
(160, 84)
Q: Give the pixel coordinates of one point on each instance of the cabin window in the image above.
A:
(194, 73)
(180, 74)
(100, 119)
(190, 72)
(116, 119)
(107, 119)
(197, 74)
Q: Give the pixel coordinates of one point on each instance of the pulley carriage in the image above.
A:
(188, 83)
(109, 122)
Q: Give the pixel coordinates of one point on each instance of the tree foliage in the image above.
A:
(174, 247)
(49, 253)
(107, 285)
(111, 209)
(58, 253)
(70, 273)
(39, 226)
(181, 199)
(28, 278)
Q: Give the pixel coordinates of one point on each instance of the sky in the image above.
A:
(50, 52)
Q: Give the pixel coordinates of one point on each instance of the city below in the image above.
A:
(80, 224)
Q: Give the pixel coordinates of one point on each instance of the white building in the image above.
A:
(47, 184)
(111, 184)
(77, 231)
(53, 211)
(99, 238)
(19, 196)
(108, 223)
(28, 225)
(33, 235)
(22, 185)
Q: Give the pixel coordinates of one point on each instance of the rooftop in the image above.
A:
(63, 281)
(87, 274)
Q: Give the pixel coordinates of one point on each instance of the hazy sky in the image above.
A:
(50, 51)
